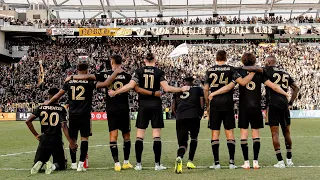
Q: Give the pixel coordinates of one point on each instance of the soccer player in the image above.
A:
(117, 108)
(188, 107)
(278, 108)
(150, 107)
(221, 106)
(250, 108)
(80, 94)
(52, 120)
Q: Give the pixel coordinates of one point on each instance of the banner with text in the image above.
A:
(23, 116)
(61, 31)
(99, 116)
(305, 114)
(7, 116)
(193, 30)
(104, 32)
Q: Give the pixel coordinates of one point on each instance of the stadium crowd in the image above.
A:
(95, 22)
(19, 83)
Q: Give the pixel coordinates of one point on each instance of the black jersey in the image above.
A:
(80, 94)
(149, 78)
(120, 101)
(188, 103)
(280, 77)
(51, 118)
(250, 95)
(217, 77)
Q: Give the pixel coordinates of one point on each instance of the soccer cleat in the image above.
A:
(117, 166)
(178, 165)
(280, 164)
(159, 167)
(138, 167)
(246, 165)
(232, 166)
(35, 169)
(255, 164)
(127, 166)
(81, 167)
(74, 166)
(289, 163)
(190, 165)
(49, 167)
(215, 166)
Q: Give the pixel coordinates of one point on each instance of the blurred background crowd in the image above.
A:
(94, 22)
(19, 83)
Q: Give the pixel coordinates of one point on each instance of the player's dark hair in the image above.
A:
(53, 91)
(117, 58)
(150, 56)
(82, 66)
(248, 59)
(189, 79)
(221, 55)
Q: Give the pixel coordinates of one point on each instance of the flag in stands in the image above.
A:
(180, 50)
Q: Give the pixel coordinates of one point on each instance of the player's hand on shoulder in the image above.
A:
(185, 88)
(119, 70)
(111, 93)
(67, 79)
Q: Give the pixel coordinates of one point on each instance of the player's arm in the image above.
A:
(143, 91)
(110, 79)
(295, 91)
(56, 97)
(174, 107)
(167, 88)
(202, 102)
(222, 90)
(81, 77)
(124, 89)
(253, 69)
(244, 81)
(206, 94)
(276, 88)
(64, 127)
(31, 118)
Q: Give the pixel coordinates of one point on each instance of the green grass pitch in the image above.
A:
(17, 146)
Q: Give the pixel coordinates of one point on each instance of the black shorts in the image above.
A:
(145, 114)
(48, 147)
(278, 116)
(185, 127)
(217, 117)
(252, 116)
(80, 123)
(119, 119)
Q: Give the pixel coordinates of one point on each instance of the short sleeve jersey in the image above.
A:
(149, 78)
(51, 118)
(188, 104)
(80, 94)
(120, 101)
(250, 95)
(280, 77)
(217, 77)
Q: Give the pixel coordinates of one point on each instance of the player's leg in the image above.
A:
(113, 118)
(285, 126)
(256, 147)
(215, 124)
(142, 123)
(37, 160)
(194, 127)
(125, 127)
(85, 132)
(73, 133)
(273, 116)
(243, 124)
(157, 124)
(229, 125)
(59, 157)
(182, 136)
(244, 148)
(43, 154)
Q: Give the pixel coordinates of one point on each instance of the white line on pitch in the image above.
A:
(198, 167)
(146, 142)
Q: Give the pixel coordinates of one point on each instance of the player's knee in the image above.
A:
(126, 136)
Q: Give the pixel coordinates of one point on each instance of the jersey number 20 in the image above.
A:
(46, 115)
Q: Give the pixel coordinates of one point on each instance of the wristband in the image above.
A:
(153, 93)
